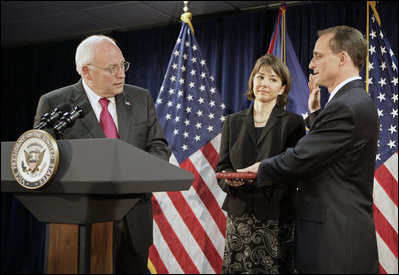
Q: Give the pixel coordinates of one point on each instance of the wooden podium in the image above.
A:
(92, 188)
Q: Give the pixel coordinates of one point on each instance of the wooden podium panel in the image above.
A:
(63, 249)
(101, 248)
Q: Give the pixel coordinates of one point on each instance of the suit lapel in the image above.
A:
(248, 123)
(123, 109)
(347, 87)
(89, 121)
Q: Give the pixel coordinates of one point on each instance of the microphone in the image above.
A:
(49, 119)
(69, 118)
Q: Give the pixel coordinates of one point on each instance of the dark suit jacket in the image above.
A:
(239, 148)
(335, 164)
(138, 125)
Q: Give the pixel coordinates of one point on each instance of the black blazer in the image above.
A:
(239, 148)
(334, 162)
(138, 125)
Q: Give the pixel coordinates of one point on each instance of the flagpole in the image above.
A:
(282, 37)
(283, 33)
(187, 16)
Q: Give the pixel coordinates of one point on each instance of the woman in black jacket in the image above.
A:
(260, 223)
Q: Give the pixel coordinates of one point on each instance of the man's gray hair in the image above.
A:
(85, 50)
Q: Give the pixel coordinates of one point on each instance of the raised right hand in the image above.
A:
(314, 95)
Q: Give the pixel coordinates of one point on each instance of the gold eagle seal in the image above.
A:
(34, 159)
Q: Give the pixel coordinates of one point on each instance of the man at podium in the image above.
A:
(120, 111)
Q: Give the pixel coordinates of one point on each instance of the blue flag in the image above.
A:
(280, 45)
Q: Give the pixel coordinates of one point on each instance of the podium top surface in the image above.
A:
(102, 166)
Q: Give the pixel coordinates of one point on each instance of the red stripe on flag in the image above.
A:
(211, 154)
(387, 182)
(206, 196)
(156, 261)
(273, 42)
(386, 231)
(382, 270)
(197, 230)
(176, 247)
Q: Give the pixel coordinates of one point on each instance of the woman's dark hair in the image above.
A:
(278, 66)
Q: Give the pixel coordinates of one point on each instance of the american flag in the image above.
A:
(383, 88)
(190, 226)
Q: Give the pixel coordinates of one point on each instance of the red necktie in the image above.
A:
(106, 121)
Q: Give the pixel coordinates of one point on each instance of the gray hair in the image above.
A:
(85, 50)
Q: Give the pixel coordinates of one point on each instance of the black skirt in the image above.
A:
(255, 246)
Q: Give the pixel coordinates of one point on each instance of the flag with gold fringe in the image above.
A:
(190, 226)
(281, 46)
(382, 85)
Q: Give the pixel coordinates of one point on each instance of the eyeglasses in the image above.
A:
(319, 56)
(114, 69)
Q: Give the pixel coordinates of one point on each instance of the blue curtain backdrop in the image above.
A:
(230, 43)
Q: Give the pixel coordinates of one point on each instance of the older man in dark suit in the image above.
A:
(119, 111)
(334, 162)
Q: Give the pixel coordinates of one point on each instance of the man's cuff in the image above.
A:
(263, 179)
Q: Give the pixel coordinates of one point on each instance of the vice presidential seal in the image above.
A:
(34, 159)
